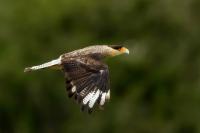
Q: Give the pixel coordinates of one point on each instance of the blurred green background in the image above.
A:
(156, 89)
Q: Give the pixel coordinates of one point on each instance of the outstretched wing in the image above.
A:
(87, 81)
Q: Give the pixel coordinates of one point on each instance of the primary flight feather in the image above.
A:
(87, 77)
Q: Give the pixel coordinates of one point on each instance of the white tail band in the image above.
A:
(45, 65)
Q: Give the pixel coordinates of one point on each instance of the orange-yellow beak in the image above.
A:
(124, 50)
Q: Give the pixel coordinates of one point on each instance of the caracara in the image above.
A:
(87, 77)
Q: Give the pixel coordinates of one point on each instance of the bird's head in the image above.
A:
(118, 50)
(106, 50)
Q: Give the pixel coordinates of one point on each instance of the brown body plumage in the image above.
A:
(87, 77)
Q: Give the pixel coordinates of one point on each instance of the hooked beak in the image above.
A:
(124, 50)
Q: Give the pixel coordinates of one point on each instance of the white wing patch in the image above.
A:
(108, 95)
(88, 97)
(73, 89)
(93, 96)
(103, 97)
(94, 99)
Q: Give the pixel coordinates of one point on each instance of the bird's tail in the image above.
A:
(52, 64)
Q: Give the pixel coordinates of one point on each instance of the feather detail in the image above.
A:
(91, 79)
(45, 65)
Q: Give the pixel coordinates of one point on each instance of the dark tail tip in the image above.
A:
(28, 69)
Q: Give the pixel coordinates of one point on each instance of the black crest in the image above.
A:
(116, 46)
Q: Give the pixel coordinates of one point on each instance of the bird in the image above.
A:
(86, 75)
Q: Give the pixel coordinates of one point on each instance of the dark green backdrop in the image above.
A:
(156, 89)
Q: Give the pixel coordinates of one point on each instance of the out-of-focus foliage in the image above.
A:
(156, 89)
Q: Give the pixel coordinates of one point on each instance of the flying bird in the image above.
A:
(86, 76)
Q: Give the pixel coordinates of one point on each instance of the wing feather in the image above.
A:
(88, 80)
